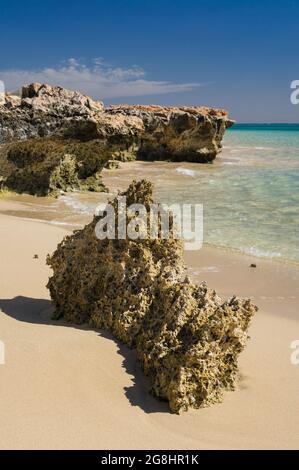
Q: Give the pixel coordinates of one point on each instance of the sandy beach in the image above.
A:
(132, 133)
(69, 387)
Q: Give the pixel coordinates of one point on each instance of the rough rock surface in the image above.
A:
(120, 132)
(52, 165)
(187, 339)
(43, 110)
(184, 133)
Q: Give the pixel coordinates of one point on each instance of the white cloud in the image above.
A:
(100, 80)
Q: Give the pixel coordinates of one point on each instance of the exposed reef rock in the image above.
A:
(187, 339)
(121, 132)
(43, 110)
(51, 165)
(191, 134)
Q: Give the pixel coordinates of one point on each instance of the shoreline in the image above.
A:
(111, 407)
(12, 205)
(217, 262)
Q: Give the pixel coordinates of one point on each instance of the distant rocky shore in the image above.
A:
(56, 140)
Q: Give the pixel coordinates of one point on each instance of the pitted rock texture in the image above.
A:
(121, 132)
(43, 110)
(51, 165)
(184, 133)
(187, 339)
(187, 133)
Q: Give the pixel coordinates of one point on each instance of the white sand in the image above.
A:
(63, 387)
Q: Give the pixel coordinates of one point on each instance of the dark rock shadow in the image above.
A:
(40, 311)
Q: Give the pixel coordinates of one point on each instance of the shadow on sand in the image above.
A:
(40, 311)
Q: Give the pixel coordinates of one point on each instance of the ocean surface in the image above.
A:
(263, 187)
(250, 193)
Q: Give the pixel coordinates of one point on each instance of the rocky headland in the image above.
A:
(53, 139)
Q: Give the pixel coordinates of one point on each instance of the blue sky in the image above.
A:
(240, 55)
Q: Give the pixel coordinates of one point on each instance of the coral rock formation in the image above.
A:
(121, 132)
(51, 165)
(187, 339)
(184, 133)
(43, 110)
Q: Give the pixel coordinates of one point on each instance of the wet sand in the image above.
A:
(67, 387)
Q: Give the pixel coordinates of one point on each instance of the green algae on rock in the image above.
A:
(187, 339)
(49, 117)
(47, 166)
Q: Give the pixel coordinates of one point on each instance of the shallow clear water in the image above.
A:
(250, 193)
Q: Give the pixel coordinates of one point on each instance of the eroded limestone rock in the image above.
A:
(49, 166)
(183, 133)
(187, 339)
(43, 110)
(121, 132)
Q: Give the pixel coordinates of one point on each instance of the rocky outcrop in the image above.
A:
(43, 110)
(191, 134)
(187, 339)
(50, 166)
(121, 132)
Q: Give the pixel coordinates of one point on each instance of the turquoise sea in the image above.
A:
(250, 193)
